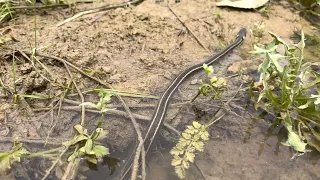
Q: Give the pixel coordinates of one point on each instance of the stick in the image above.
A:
(51, 5)
(51, 141)
(184, 24)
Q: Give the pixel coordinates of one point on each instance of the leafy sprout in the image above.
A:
(6, 11)
(212, 84)
(105, 98)
(14, 155)
(88, 146)
(291, 92)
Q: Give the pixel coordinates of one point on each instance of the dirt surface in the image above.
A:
(141, 49)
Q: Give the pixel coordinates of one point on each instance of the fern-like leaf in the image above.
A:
(192, 140)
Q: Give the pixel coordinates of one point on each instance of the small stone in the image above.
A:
(246, 78)
(193, 82)
(108, 69)
(26, 68)
(246, 65)
(168, 75)
(116, 77)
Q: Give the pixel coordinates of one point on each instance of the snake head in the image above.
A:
(242, 33)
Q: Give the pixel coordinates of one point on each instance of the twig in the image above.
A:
(55, 163)
(83, 110)
(140, 147)
(50, 6)
(95, 10)
(54, 123)
(75, 163)
(101, 15)
(129, 105)
(184, 24)
(116, 112)
(51, 141)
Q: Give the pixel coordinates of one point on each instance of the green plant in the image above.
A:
(6, 11)
(88, 147)
(86, 144)
(192, 140)
(14, 155)
(309, 3)
(212, 84)
(290, 92)
(105, 97)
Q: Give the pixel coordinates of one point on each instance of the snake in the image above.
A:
(158, 117)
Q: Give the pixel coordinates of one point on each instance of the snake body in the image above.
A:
(161, 108)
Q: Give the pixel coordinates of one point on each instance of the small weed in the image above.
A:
(6, 11)
(105, 97)
(88, 147)
(258, 30)
(290, 92)
(14, 155)
(212, 84)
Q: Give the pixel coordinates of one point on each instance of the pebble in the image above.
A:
(116, 77)
(107, 69)
(193, 82)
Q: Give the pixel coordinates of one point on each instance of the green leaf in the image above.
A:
(274, 59)
(82, 150)
(125, 93)
(286, 117)
(180, 172)
(186, 135)
(190, 156)
(3, 155)
(279, 40)
(196, 125)
(259, 50)
(176, 151)
(301, 44)
(295, 142)
(19, 153)
(7, 158)
(5, 164)
(176, 161)
(191, 131)
(34, 96)
(71, 157)
(205, 136)
(304, 106)
(100, 150)
(92, 159)
(183, 142)
(88, 146)
(199, 146)
(78, 139)
(208, 69)
(317, 97)
(312, 141)
(79, 128)
(185, 164)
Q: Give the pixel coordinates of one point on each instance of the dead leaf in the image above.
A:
(246, 4)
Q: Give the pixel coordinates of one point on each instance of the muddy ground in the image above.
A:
(141, 49)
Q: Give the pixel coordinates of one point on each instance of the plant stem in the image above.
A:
(45, 153)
